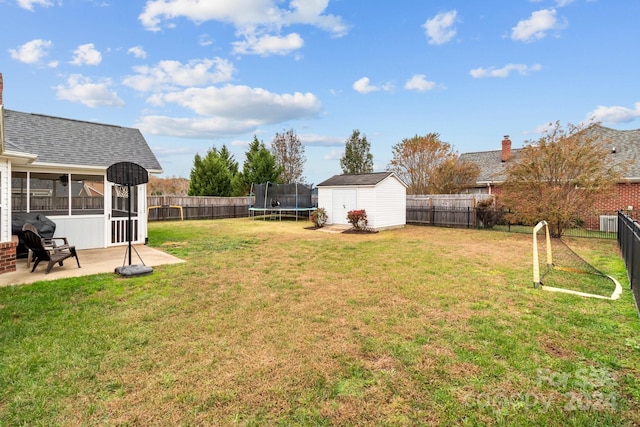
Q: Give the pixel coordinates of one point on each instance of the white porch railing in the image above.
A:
(119, 230)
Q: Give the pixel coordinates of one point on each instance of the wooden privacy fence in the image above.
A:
(450, 210)
(435, 210)
(165, 208)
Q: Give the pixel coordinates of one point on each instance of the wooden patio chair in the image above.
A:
(46, 249)
(48, 243)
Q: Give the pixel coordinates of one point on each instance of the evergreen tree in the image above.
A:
(258, 168)
(228, 158)
(210, 176)
(357, 158)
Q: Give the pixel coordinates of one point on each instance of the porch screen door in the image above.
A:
(119, 213)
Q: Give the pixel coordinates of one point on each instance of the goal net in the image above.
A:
(556, 267)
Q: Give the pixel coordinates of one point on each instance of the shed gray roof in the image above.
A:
(356, 179)
(625, 142)
(57, 140)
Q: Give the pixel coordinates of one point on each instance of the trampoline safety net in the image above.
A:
(282, 196)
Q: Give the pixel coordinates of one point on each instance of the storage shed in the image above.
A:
(382, 195)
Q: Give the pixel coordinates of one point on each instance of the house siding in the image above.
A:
(5, 200)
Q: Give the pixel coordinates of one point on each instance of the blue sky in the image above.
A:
(193, 74)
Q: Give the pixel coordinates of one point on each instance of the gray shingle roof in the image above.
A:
(356, 179)
(490, 163)
(626, 143)
(57, 140)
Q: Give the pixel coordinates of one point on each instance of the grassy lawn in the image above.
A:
(269, 323)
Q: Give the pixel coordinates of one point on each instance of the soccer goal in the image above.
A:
(557, 268)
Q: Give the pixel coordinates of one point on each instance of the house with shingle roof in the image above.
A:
(382, 195)
(623, 145)
(57, 167)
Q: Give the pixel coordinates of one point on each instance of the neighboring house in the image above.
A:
(382, 195)
(624, 146)
(57, 167)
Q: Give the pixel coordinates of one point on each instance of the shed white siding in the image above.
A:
(384, 202)
(390, 204)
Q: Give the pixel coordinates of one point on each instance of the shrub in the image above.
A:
(358, 219)
(490, 213)
(319, 217)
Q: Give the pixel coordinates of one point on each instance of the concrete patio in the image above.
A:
(92, 261)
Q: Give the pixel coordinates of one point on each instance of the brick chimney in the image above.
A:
(1, 88)
(506, 148)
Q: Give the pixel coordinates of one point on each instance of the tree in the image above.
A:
(558, 177)
(210, 176)
(452, 176)
(289, 154)
(430, 166)
(259, 167)
(167, 186)
(357, 158)
(228, 158)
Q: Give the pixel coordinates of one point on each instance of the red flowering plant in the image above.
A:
(358, 219)
(319, 217)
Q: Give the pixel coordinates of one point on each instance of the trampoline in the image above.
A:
(274, 200)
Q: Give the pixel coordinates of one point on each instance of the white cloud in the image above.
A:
(267, 44)
(364, 86)
(243, 101)
(170, 74)
(86, 54)
(420, 83)
(537, 26)
(314, 140)
(32, 52)
(137, 51)
(440, 29)
(311, 12)
(614, 114)
(199, 127)
(83, 90)
(228, 110)
(28, 4)
(255, 20)
(521, 69)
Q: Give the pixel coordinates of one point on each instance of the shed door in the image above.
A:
(343, 202)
